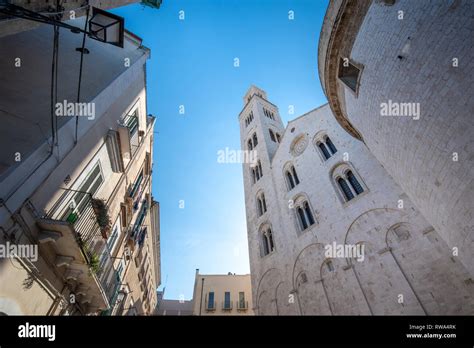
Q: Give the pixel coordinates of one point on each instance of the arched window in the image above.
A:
(304, 213)
(325, 145)
(272, 135)
(308, 213)
(261, 204)
(345, 189)
(354, 182)
(277, 137)
(249, 145)
(255, 142)
(268, 245)
(347, 182)
(302, 218)
(291, 177)
(330, 145)
(256, 172)
(253, 174)
(324, 150)
(297, 181)
(330, 266)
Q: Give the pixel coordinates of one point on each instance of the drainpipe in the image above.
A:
(202, 289)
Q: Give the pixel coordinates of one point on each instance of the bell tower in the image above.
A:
(260, 124)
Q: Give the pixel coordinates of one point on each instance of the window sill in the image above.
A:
(355, 199)
(307, 229)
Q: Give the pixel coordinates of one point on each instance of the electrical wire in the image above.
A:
(80, 71)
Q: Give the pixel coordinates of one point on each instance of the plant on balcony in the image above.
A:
(102, 216)
(94, 264)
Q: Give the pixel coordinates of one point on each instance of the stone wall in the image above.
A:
(407, 269)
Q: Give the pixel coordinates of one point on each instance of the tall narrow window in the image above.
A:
(324, 150)
(297, 181)
(259, 207)
(331, 146)
(260, 168)
(261, 204)
(227, 303)
(278, 137)
(249, 145)
(80, 199)
(272, 135)
(255, 142)
(304, 224)
(354, 182)
(345, 189)
(330, 266)
(270, 239)
(210, 302)
(242, 300)
(268, 245)
(289, 177)
(304, 214)
(309, 214)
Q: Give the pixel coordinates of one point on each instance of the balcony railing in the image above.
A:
(210, 306)
(227, 305)
(242, 305)
(76, 208)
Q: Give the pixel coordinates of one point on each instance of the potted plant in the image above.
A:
(94, 264)
(102, 216)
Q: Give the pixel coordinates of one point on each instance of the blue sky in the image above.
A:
(192, 64)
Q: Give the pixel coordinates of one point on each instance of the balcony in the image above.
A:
(78, 226)
(227, 306)
(210, 306)
(242, 305)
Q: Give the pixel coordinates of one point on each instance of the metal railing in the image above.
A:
(210, 306)
(242, 305)
(76, 208)
(227, 305)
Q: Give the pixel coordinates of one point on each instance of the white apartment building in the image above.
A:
(77, 189)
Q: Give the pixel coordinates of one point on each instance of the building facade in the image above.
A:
(222, 294)
(175, 307)
(59, 10)
(398, 76)
(330, 232)
(77, 189)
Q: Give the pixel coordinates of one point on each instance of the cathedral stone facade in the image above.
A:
(314, 186)
(409, 53)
